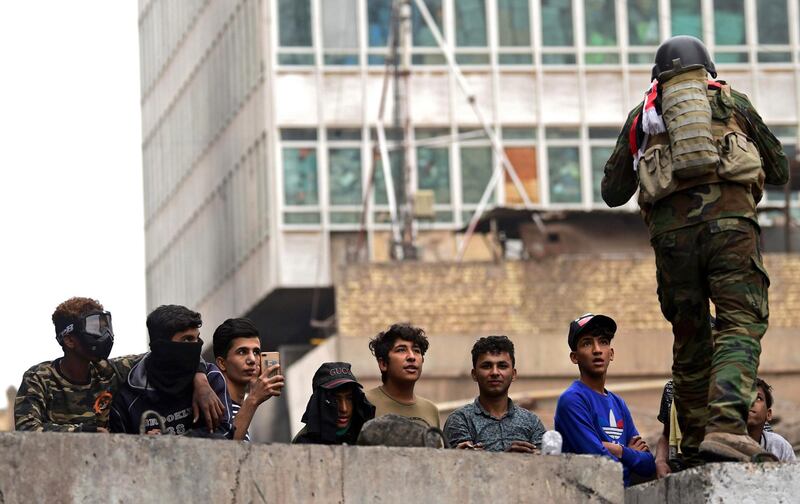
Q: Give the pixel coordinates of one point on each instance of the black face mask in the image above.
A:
(171, 365)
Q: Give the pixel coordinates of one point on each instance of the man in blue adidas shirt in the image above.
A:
(591, 419)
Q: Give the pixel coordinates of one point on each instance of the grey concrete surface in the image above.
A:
(95, 468)
(720, 483)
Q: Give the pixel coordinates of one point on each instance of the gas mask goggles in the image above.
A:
(94, 332)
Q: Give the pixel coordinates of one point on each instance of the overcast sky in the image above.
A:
(70, 161)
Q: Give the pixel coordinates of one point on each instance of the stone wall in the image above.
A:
(93, 468)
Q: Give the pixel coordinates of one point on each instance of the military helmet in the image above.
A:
(679, 54)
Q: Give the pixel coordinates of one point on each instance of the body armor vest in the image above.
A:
(693, 152)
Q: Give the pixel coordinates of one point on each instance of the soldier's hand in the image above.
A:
(103, 430)
(662, 469)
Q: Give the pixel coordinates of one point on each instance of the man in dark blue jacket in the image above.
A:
(161, 382)
(591, 419)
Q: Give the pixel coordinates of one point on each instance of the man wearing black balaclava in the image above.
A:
(159, 387)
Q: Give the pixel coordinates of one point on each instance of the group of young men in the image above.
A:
(168, 390)
(172, 390)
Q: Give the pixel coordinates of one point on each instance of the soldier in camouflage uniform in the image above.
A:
(73, 393)
(705, 235)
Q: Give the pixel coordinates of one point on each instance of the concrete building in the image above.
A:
(258, 126)
(259, 148)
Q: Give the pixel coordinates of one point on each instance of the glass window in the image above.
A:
(513, 23)
(773, 22)
(555, 133)
(643, 22)
(345, 176)
(729, 22)
(599, 157)
(523, 159)
(600, 23)
(294, 23)
(513, 133)
(433, 168)
(565, 174)
(300, 176)
(686, 18)
(339, 31)
(379, 21)
(397, 179)
(557, 23)
(344, 134)
(784, 132)
(476, 170)
(301, 217)
(601, 132)
(729, 29)
(421, 35)
(470, 23)
(298, 134)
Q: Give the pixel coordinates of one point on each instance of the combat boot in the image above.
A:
(724, 446)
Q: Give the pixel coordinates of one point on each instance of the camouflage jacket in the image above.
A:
(47, 401)
(703, 202)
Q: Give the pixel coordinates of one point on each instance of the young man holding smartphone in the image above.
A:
(237, 353)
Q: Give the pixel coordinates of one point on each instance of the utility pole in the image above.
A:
(401, 55)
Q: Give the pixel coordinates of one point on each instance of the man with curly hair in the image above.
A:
(493, 422)
(73, 393)
(400, 352)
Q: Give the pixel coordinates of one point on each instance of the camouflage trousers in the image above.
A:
(714, 370)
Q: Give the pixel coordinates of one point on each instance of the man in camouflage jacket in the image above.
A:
(73, 393)
(706, 244)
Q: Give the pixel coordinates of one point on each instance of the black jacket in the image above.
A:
(137, 395)
(320, 418)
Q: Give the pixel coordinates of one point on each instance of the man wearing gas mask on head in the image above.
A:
(699, 154)
(73, 393)
(156, 398)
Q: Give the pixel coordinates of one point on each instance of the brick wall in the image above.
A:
(533, 302)
(526, 297)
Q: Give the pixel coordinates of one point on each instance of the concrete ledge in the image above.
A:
(94, 468)
(762, 483)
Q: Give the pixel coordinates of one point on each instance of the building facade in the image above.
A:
(259, 123)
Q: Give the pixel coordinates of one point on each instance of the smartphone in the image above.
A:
(269, 359)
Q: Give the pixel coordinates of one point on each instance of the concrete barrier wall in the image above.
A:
(762, 483)
(94, 468)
